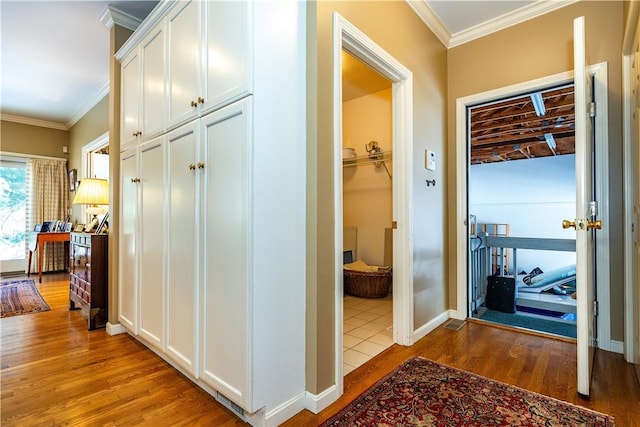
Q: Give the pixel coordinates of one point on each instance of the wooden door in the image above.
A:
(152, 51)
(227, 260)
(152, 234)
(184, 61)
(182, 260)
(227, 52)
(586, 211)
(128, 259)
(131, 95)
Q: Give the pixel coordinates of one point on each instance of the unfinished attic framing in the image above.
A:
(538, 124)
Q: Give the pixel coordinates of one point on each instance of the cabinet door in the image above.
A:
(226, 263)
(152, 51)
(184, 61)
(130, 97)
(182, 284)
(152, 242)
(128, 280)
(227, 52)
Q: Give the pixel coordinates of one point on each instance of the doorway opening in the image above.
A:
(367, 197)
(464, 297)
(348, 38)
(521, 174)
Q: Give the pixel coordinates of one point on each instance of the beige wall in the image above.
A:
(367, 187)
(398, 30)
(91, 126)
(35, 140)
(538, 48)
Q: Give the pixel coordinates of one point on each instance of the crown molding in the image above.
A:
(149, 22)
(507, 20)
(89, 104)
(429, 17)
(525, 13)
(33, 122)
(112, 16)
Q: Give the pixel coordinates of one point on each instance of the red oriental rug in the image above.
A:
(424, 393)
(21, 297)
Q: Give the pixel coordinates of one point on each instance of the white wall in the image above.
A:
(367, 193)
(533, 196)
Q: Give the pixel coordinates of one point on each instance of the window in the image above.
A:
(12, 213)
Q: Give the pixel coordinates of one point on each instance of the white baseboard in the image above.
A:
(115, 329)
(616, 346)
(455, 314)
(283, 412)
(317, 402)
(425, 329)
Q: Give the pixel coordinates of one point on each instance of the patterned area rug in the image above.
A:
(424, 393)
(21, 297)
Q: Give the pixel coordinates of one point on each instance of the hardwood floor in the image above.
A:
(55, 372)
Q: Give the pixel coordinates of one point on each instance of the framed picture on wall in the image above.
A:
(73, 177)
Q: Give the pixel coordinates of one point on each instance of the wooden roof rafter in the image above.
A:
(510, 129)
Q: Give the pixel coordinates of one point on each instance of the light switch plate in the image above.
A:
(429, 160)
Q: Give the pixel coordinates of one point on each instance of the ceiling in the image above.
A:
(55, 54)
(55, 58)
(514, 129)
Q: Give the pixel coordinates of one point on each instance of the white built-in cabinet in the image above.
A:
(208, 61)
(213, 199)
(184, 183)
(226, 201)
(142, 240)
(151, 241)
(127, 241)
(143, 110)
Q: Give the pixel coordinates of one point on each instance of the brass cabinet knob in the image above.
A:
(135, 180)
(194, 104)
(200, 165)
(192, 166)
(200, 100)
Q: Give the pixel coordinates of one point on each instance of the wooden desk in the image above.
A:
(38, 242)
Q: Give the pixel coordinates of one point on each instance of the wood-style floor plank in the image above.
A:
(55, 372)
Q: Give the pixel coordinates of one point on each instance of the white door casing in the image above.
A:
(631, 178)
(349, 38)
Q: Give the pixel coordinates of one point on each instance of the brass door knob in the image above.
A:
(597, 224)
(568, 224)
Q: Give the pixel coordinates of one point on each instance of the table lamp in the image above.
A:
(93, 192)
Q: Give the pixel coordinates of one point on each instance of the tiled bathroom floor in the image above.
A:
(367, 329)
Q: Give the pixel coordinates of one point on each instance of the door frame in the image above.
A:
(631, 163)
(599, 71)
(346, 36)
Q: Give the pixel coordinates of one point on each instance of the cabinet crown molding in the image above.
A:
(145, 26)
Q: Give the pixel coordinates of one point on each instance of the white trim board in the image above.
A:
(346, 36)
(602, 189)
(525, 13)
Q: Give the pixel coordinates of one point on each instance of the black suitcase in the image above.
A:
(501, 294)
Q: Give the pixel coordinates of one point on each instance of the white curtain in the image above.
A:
(48, 200)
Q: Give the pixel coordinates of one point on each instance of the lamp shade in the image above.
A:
(92, 191)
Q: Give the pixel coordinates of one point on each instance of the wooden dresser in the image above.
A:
(89, 277)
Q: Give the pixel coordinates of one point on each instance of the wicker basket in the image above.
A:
(367, 284)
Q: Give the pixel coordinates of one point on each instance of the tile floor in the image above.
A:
(367, 329)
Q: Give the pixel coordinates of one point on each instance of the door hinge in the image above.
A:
(595, 308)
(592, 109)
